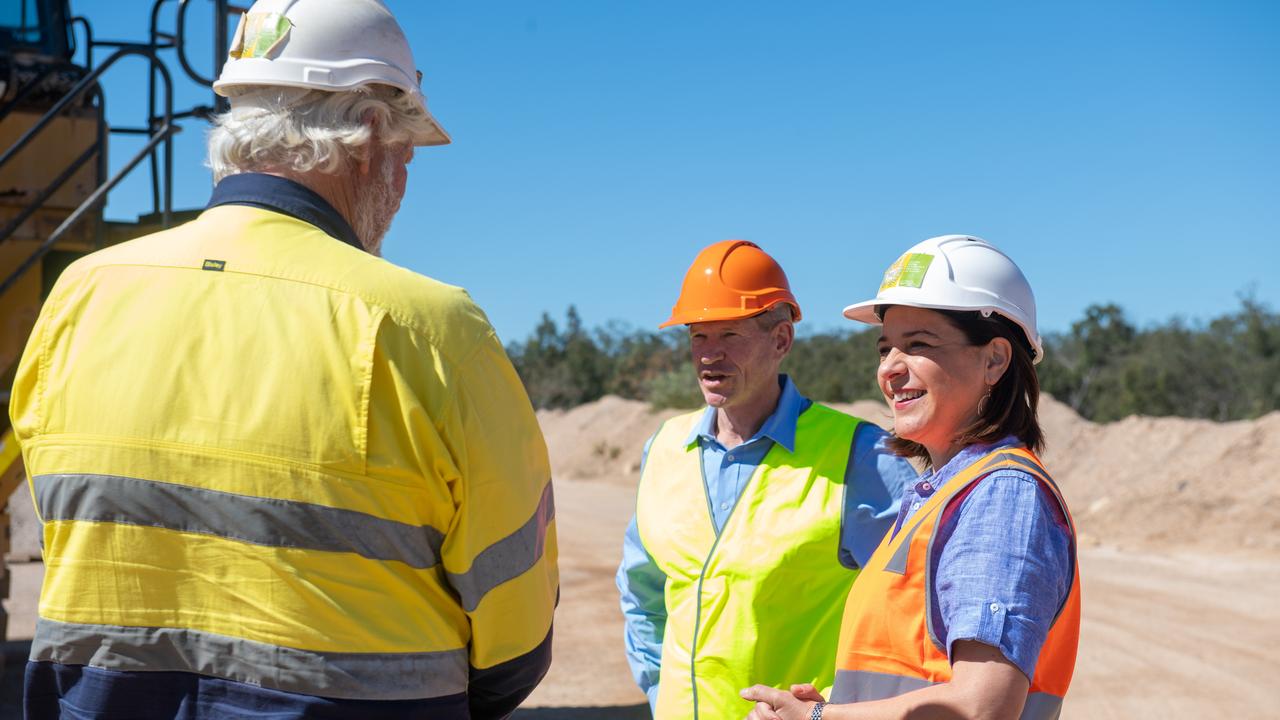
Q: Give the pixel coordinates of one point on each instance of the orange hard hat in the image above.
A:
(729, 280)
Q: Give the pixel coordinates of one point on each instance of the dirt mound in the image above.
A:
(1168, 481)
(1142, 480)
(601, 440)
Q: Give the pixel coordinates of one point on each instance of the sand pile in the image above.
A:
(1141, 481)
(1169, 481)
(600, 440)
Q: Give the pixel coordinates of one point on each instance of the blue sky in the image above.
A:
(1122, 152)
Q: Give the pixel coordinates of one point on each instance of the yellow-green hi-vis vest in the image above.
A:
(761, 601)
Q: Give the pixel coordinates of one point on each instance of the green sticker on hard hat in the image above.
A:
(258, 34)
(907, 271)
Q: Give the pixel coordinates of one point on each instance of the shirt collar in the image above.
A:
(284, 196)
(779, 427)
(935, 478)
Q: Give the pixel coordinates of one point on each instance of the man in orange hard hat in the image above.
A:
(763, 489)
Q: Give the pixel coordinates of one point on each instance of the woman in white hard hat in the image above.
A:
(970, 607)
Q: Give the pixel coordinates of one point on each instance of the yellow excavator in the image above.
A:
(55, 178)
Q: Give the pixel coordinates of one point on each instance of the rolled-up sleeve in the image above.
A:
(874, 482)
(641, 586)
(1003, 567)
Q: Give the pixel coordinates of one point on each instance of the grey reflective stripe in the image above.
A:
(863, 685)
(508, 558)
(261, 521)
(1029, 466)
(1041, 706)
(898, 562)
(347, 675)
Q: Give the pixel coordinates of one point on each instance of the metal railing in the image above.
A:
(159, 129)
(161, 132)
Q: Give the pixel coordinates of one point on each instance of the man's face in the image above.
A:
(379, 193)
(737, 360)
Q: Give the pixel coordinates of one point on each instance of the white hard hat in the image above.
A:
(331, 45)
(956, 272)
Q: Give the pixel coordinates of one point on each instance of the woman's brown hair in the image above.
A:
(1011, 407)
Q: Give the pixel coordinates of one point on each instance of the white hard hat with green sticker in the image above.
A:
(956, 272)
(323, 45)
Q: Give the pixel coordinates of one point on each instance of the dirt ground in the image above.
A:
(1180, 563)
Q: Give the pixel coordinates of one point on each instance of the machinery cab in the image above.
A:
(38, 28)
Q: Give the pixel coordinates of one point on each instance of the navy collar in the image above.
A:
(284, 196)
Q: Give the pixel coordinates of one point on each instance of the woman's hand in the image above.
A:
(773, 704)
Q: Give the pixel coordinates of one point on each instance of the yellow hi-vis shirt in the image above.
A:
(761, 600)
(263, 455)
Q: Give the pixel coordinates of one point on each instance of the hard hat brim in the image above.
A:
(709, 315)
(434, 136)
(719, 314)
(865, 312)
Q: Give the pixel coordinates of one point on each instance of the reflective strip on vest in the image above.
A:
(508, 558)
(391, 676)
(863, 686)
(281, 523)
(261, 521)
(724, 630)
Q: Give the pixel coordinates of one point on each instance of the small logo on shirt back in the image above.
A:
(215, 265)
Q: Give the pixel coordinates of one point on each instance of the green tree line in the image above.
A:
(1105, 367)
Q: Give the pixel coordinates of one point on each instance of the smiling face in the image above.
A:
(737, 361)
(933, 378)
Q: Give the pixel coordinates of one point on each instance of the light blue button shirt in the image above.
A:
(1002, 561)
(874, 480)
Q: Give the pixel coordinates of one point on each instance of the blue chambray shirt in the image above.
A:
(1002, 562)
(874, 479)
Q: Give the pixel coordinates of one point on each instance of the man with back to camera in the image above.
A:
(754, 514)
(277, 474)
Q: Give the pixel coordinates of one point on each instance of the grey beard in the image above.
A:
(376, 207)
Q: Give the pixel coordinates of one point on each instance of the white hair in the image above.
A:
(301, 130)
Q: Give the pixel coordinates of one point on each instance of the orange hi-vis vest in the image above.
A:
(888, 645)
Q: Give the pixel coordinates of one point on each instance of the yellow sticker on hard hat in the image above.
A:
(259, 34)
(907, 271)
